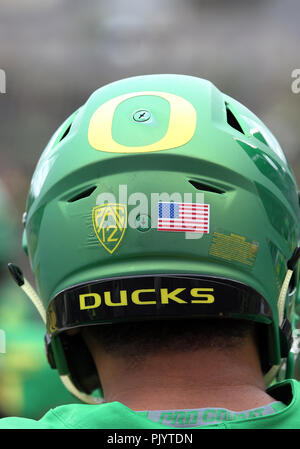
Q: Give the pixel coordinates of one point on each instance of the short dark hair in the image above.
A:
(138, 339)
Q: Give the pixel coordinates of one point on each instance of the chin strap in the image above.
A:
(30, 292)
(27, 288)
(88, 399)
(271, 374)
(282, 296)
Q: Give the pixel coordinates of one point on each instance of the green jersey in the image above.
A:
(283, 413)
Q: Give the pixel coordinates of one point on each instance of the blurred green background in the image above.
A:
(55, 53)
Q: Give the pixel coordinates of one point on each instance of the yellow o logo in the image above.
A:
(182, 125)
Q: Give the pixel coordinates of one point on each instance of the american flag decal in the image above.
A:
(183, 217)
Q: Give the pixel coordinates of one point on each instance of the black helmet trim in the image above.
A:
(162, 296)
(140, 298)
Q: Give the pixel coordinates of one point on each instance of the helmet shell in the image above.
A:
(141, 140)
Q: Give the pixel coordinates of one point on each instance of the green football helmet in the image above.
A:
(162, 197)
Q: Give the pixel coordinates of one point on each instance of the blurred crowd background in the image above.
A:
(55, 53)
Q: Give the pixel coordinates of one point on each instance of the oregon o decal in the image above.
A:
(182, 125)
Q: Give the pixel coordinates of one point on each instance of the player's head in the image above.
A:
(162, 198)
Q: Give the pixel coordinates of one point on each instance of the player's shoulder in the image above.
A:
(60, 417)
(48, 421)
(77, 416)
(288, 392)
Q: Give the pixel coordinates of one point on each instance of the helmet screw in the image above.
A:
(141, 115)
(143, 223)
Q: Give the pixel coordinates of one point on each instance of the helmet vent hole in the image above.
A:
(205, 187)
(86, 193)
(66, 132)
(232, 120)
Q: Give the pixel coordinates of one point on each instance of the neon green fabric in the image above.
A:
(117, 416)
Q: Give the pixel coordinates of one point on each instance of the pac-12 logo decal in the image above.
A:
(109, 222)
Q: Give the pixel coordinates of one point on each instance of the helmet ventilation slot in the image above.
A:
(205, 187)
(86, 193)
(232, 120)
(66, 132)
